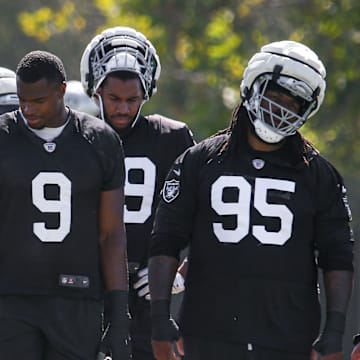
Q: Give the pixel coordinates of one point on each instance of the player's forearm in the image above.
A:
(112, 240)
(114, 264)
(338, 287)
(162, 270)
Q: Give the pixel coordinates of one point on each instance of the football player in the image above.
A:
(63, 242)
(9, 100)
(261, 210)
(120, 69)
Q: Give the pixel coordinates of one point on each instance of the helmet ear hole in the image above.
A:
(246, 93)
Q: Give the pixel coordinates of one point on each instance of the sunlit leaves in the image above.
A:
(246, 7)
(45, 22)
(109, 8)
(204, 46)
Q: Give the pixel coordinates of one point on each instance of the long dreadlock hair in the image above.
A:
(300, 147)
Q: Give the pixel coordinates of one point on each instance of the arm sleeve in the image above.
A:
(334, 236)
(174, 215)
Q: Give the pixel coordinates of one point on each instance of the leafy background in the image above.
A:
(204, 46)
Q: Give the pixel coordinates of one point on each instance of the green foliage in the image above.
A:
(204, 46)
(46, 22)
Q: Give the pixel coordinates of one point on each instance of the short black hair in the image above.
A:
(38, 64)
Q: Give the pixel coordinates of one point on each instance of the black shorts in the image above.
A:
(210, 349)
(49, 328)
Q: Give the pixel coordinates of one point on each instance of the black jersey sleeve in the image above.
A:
(333, 233)
(174, 218)
(172, 225)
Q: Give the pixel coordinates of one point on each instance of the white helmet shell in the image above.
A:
(8, 93)
(294, 67)
(119, 49)
(76, 98)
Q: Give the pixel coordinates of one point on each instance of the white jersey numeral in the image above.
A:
(242, 208)
(62, 206)
(145, 190)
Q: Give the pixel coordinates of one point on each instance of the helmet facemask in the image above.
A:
(120, 49)
(122, 59)
(272, 121)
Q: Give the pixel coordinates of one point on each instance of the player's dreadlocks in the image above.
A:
(300, 147)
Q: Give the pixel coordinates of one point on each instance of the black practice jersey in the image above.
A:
(150, 149)
(49, 199)
(257, 225)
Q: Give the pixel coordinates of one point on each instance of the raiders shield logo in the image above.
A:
(49, 147)
(171, 190)
(258, 164)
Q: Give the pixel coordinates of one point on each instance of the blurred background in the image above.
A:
(204, 46)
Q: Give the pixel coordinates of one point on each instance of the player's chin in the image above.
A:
(36, 123)
(120, 123)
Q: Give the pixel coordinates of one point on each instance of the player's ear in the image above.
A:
(63, 88)
(99, 91)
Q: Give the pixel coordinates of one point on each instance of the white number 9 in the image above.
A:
(145, 190)
(61, 206)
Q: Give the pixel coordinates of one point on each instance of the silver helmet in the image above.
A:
(120, 49)
(294, 68)
(76, 98)
(9, 100)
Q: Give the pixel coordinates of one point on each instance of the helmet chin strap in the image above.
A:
(99, 102)
(137, 114)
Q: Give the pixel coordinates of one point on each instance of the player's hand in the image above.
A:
(355, 354)
(115, 344)
(329, 343)
(115, 340)
(335, 356)
(142, 285)
(178, 284)
(167, 350)
(164, 332)
(328, 347)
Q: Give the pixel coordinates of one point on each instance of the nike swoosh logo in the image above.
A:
(177, 172)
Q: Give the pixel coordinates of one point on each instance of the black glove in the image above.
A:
(163, 326)
(330, 340)
(115, 341)
(356, 339)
